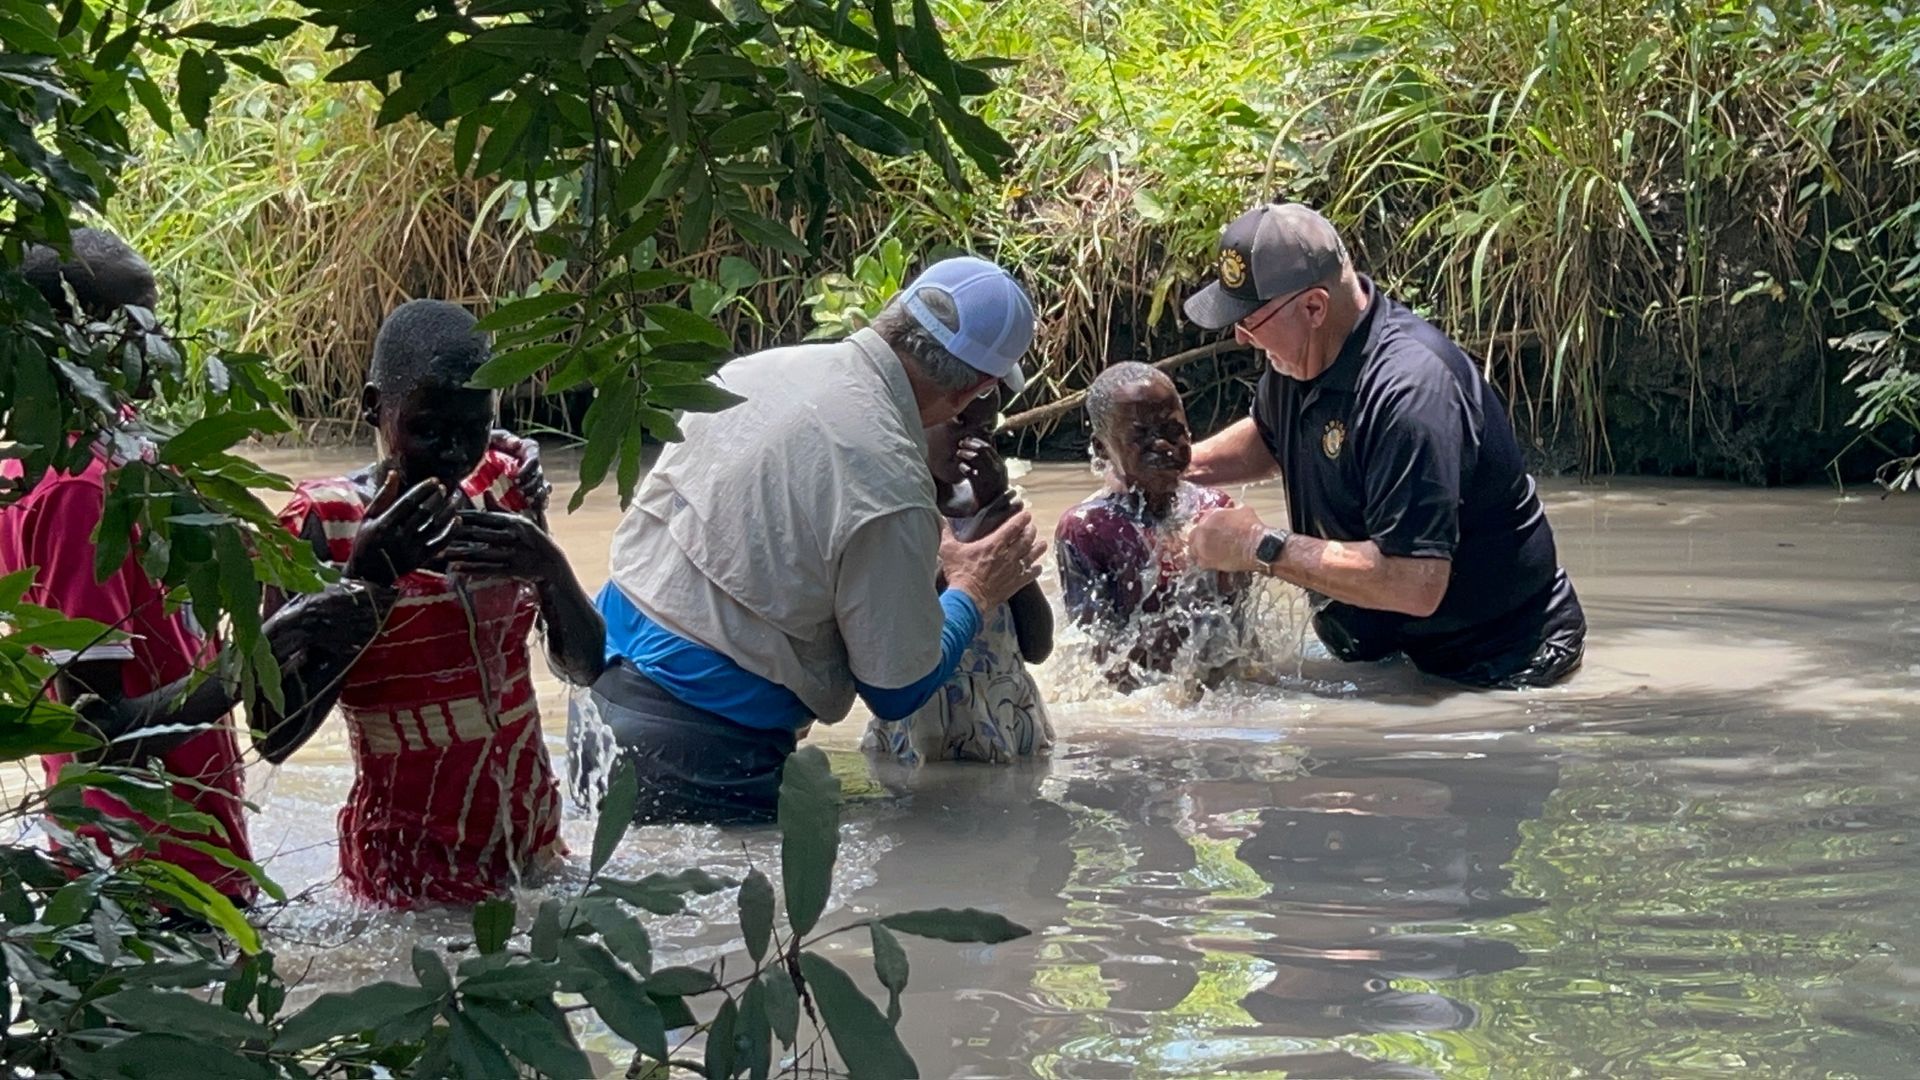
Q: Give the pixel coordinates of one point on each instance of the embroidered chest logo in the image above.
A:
(1233, 269)
(1333, 438)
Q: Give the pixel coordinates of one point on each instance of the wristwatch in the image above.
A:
(1271, 547)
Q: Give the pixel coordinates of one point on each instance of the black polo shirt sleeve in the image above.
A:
(1414, 435)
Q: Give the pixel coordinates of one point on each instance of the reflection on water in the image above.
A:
(1698, 859)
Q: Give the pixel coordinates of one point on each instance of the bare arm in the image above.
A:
(1033, 623)
(1236, 455)
(1353, 572)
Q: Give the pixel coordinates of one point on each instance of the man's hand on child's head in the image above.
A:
(403, 532)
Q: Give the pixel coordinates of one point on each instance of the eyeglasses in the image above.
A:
(1268, 317)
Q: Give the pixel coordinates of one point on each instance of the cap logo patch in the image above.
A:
(1332, 438)
(1233, 269)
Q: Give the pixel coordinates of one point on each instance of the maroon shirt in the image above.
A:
(1115, 561)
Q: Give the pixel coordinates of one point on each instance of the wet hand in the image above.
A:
(328, 626)
(531, 480)
(996, 566)
(1227, 540)
(403, 533)
(490, 543)
(981, 465)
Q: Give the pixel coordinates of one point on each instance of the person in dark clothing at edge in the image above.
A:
(1414, 524)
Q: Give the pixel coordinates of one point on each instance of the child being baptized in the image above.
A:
(1123, 564)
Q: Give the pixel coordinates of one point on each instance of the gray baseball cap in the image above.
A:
(1268, 252)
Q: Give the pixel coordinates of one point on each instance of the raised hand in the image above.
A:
(403, 531)
(985, 472)
(530, 480)
(489, 543)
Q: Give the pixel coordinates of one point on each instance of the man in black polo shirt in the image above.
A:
(1414, 522)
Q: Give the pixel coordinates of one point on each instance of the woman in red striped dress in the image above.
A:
(454, 798)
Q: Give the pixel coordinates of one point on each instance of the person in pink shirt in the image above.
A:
(149, 678)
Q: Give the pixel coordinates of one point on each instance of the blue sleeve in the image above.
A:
(962, 623)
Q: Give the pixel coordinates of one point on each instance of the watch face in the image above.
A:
(1270, 547)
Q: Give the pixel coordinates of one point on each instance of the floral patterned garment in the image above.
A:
(990, 710)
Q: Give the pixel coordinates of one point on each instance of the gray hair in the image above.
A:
(902, 331)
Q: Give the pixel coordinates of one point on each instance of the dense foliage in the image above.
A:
(1651, 219)
(626, 113)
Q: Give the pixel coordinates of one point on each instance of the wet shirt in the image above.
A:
(454, 798)
(1402, 442)
(51, 527)
(795, 533)
(1116, 561)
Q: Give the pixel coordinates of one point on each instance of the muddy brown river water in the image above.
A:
(1701, 857)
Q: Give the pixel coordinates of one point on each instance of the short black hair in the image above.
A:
(105, 273)
(426, 341)
(1108, 383)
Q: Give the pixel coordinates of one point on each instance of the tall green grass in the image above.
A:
(293, 225)
(1663, 207)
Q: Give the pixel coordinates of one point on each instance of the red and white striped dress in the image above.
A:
(454, 797)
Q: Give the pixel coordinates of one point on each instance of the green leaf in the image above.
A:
(927, 54)
(70, 905)
(957, 924)
(756, 913)
(545, 936)
(755, 1034)
(513, 368)
(783, 1004)
(985, 146)
(616, 813)
(521, 312)
(637, 181)
(809, 815)
(745, 131)
(431, 971)
(683, 325)
(721, 1048)
(533, 1038)
(761, 231)
(215, 434)
(476, 1053)
(520, 981)
(674, 1012)
(243, 36)
(886, 33)
(681, 981)
(492, 925)
(737, 274)
(351, 1012)
(866, 1042)
(661, 893)
(257, 67)
(619, 999)
(199, 78)
(151, 1054)
(890, 964)
(606, 424)
(694, 397)
(201, 899)
(179, 1013)
(154, 101)
(621, 933)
